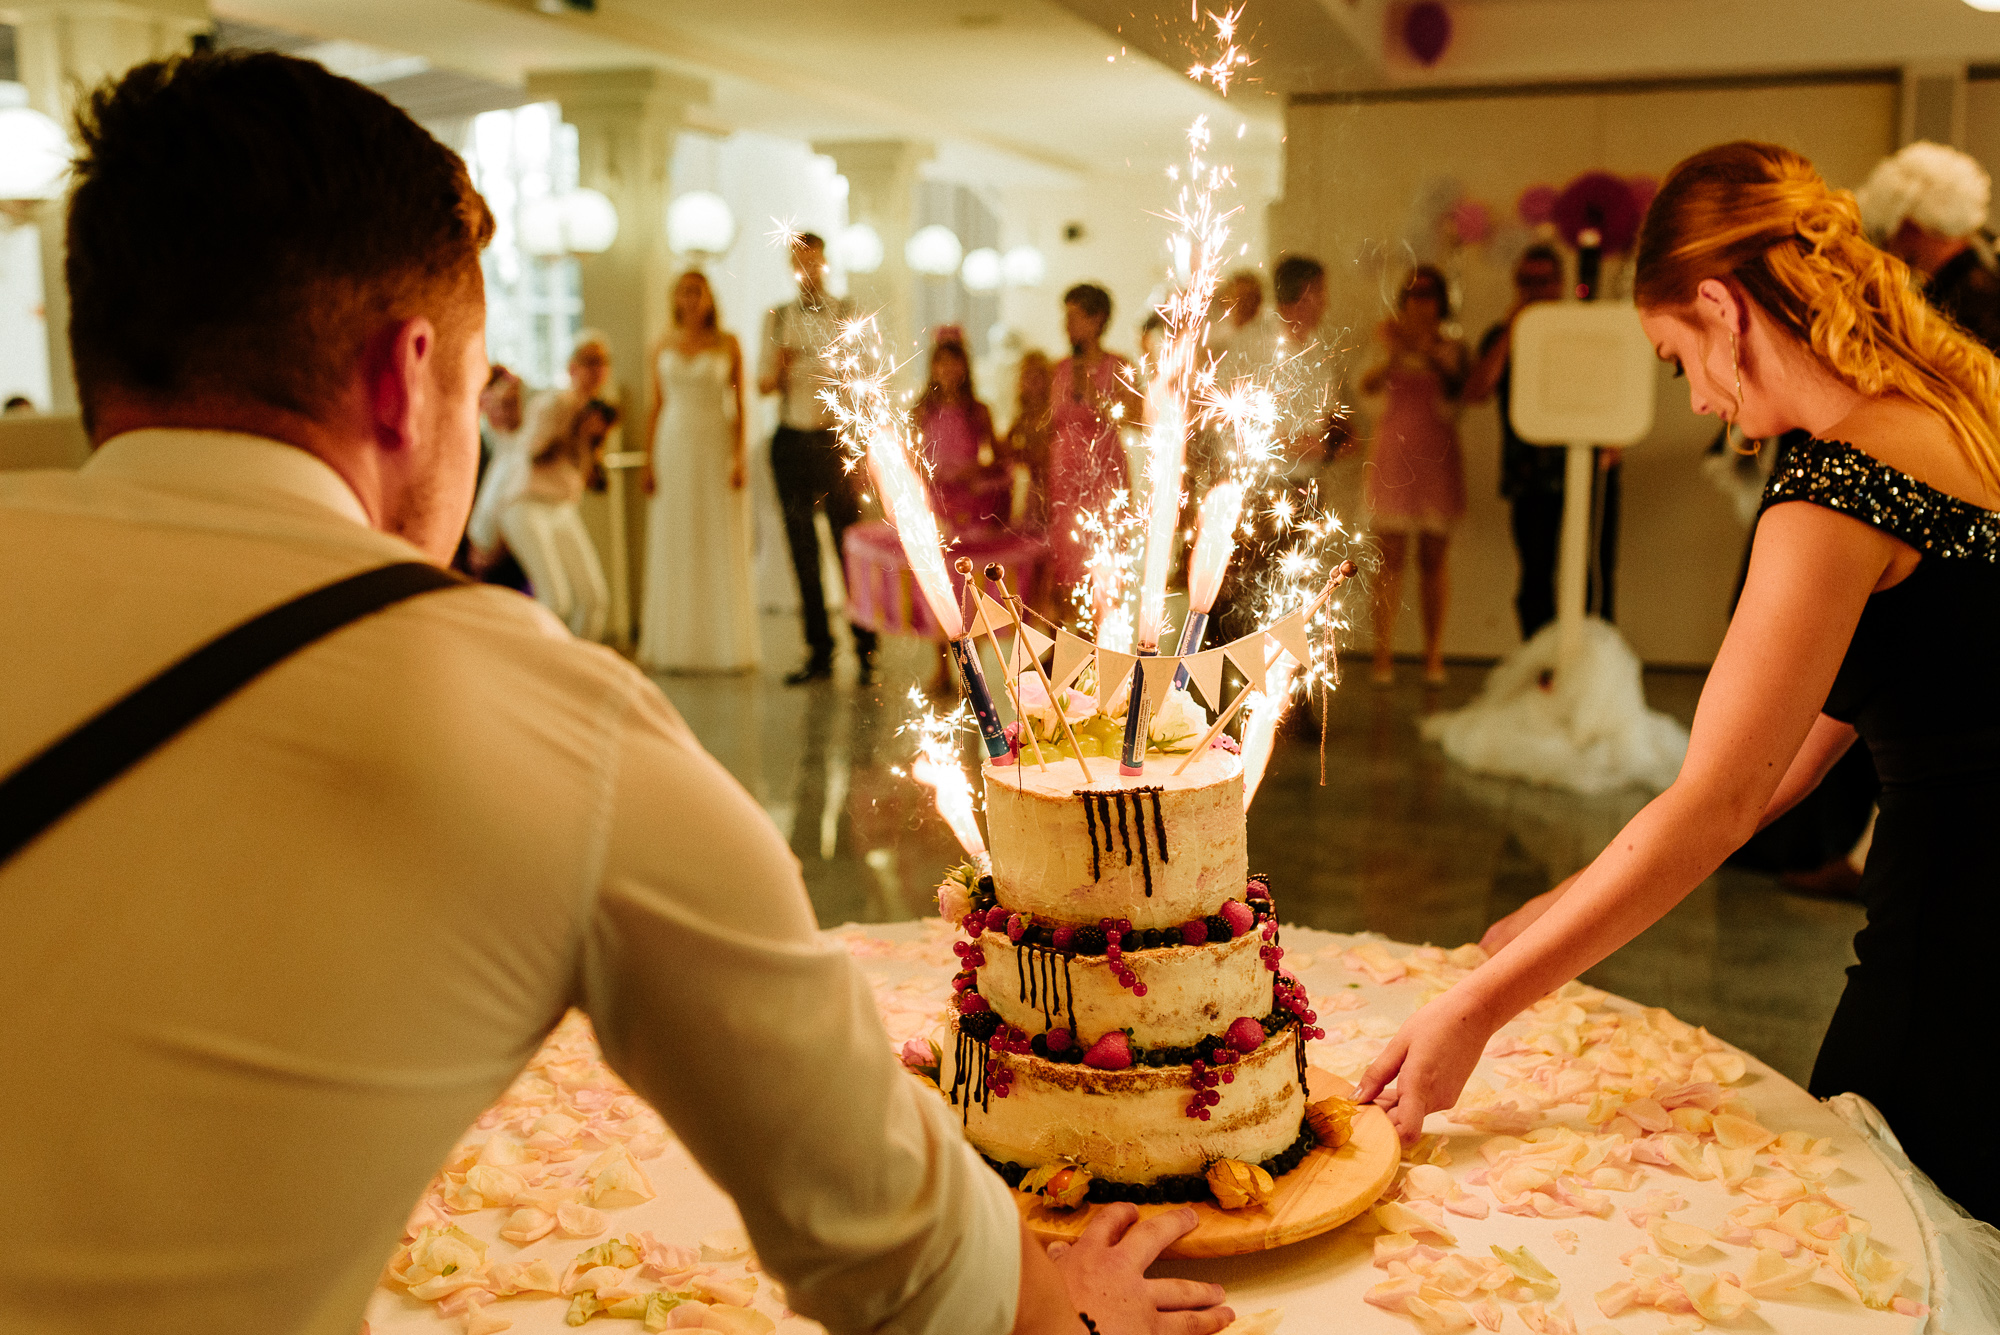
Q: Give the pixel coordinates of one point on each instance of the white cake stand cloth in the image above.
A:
(1588, 729)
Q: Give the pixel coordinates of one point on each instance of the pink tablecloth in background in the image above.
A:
(882, 594)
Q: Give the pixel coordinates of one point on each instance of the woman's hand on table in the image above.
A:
(1429, 1060)
(1105, 1273)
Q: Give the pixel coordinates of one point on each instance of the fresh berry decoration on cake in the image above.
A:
(1123, 1027)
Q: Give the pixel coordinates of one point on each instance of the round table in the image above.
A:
(1317, 1286)
(882, 594)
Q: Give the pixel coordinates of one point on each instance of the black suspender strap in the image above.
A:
(73, 769)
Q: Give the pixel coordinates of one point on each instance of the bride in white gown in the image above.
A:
(701, 609)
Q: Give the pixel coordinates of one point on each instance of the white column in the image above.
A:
(1573, 556)
(881, 191)
(63, 50)
(626, 121)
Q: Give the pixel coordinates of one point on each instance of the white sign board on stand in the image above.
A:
(1582, 377)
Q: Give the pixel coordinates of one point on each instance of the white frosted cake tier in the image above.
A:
(1130, 1125)
(1191, 991)
(1080, 859)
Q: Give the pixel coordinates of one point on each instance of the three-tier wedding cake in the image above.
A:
(1121, 1007)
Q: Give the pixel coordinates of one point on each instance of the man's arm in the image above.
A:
(715, 995)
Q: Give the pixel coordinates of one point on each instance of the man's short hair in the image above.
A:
(1091, 299)
(811, 239)
(1294, 274)
(244, 222)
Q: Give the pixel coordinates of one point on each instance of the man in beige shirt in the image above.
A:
(257, 986)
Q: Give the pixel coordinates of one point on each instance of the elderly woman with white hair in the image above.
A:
(1926, 205)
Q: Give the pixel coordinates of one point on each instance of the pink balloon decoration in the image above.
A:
(1536, 205)
(1427, 31)
(1472, 221)
(1600, 201)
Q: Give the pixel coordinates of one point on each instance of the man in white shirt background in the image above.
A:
(257, 984)
(806, 463)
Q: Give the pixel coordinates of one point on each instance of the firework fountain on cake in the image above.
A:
(1123, 1026)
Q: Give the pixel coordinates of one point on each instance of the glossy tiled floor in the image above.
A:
(1398, 840)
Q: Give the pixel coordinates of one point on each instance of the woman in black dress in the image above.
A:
(1872, 607)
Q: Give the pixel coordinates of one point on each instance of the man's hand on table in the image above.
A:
(1103, 1273)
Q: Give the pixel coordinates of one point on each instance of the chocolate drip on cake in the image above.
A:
(1299, 1046)
(1145, 861)
(1097, 816)
(968, 1077)
(1036, 966)
(1090, 824)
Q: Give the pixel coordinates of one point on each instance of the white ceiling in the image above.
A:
(1011, 91)
(1053, 91)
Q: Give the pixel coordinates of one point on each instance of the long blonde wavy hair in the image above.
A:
(1762, 216)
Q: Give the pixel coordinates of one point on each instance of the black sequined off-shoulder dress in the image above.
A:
(1917, 1031)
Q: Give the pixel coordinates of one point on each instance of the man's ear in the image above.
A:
(398, 359)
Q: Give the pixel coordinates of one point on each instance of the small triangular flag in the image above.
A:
(1072, 652)
(1038, 643)
(1113, 668)
(1205, 671)
(995, 611)
(1021, 654)
(1291, 633)
(1159, 680)
(1248, 656)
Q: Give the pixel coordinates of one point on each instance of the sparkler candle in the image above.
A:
(1213, 546)
(1343, 573)
(1202, 232)
(909, 509)
(973, 620)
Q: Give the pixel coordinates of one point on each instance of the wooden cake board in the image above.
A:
(1328, 1188)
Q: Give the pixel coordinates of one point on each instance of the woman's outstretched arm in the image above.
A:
(1824, 746)
(1810, 575)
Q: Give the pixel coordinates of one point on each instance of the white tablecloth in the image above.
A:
(1318, 1285)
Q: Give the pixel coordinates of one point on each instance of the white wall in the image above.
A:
(1123, 248)
(1352, 172)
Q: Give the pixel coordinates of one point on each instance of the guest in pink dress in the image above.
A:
(1093, 393)
(1416, 474)
(972, 489)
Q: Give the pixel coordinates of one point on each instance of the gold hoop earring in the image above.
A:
(1749, 446)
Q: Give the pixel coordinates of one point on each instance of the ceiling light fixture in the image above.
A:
(934, 250)
(700, 223)
(859, 249)
(576, 222)
(983, 270)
